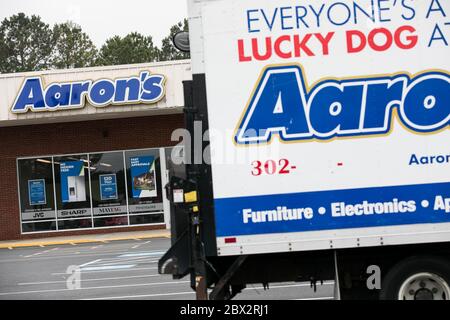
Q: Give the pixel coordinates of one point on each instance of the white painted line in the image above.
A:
(99, 271)
(131, 260)
(39, 253)
(87, 280)
(143, 254)
(145, 295)
(140, 244)
(127, 266)
(88, 263)
(33, 255)
(98, 288)
(70, 256)
(140, 257)
(317, 298)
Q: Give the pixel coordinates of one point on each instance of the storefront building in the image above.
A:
(87, 150)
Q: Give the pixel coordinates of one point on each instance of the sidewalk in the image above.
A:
(135, 235)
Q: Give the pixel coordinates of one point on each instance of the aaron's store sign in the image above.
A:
(88, 149)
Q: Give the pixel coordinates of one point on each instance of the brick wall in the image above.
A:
(66, 138)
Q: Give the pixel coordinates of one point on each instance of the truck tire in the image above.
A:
(417, 278)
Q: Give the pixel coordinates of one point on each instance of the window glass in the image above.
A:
(70, 224)
(147, 219)
(96, 190)
(36, 190)
(72, 189)
(110, 221)
(175, 161)
(39, 226)
(144, 182)
(108, 184)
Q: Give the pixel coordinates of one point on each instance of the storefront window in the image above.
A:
(37, 202)
(70, 224)
(109, 200)
(38, 226)
(96, 190)
(144, 185)
(72, 191)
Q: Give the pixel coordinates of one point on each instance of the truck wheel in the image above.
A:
(417, 278)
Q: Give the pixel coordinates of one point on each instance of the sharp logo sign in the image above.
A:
(145, 89)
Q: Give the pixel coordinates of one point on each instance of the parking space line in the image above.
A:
(39, 253)
(126, 266)
(97, 288)
(145, 295)
(315, 298)
(79, 254)
(142, 254)
(134, 260)
(89, 263)
(87, 280)
(140, 244)
(99, 271)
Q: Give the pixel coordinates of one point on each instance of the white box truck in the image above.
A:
(325, 148)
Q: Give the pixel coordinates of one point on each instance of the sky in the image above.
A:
(102, 19)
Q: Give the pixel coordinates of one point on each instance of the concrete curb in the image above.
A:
(74, 241)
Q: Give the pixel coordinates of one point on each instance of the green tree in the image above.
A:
(133, 48)
(26, 44)
(168, 50)
(73, 48)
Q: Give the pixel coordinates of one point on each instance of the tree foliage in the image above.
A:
(26, 44)
(133, 48)
(73, 48)
(168, 50)
(29, 44)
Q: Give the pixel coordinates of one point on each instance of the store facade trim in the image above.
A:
(92, 93)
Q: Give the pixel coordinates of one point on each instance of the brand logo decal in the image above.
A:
(283, 105)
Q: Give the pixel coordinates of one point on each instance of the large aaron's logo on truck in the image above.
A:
(282, 104)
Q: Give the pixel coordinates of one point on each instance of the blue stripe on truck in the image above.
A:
(328, 210)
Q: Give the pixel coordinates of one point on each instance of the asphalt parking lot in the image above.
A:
(113, 270)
